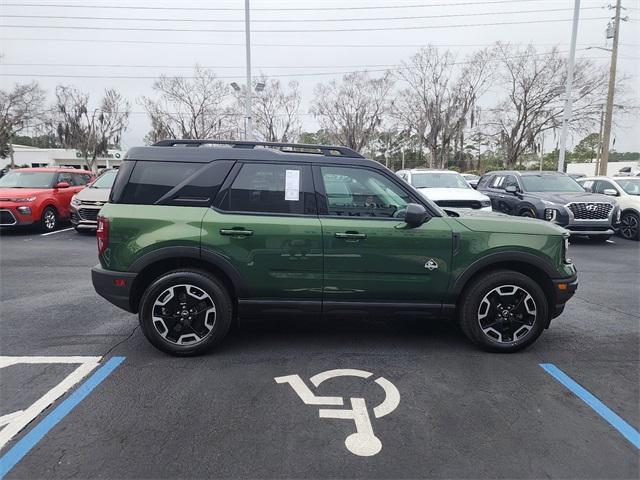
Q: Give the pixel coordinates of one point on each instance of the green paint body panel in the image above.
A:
(135, 230)
(300, 257)
(282, 259)
(389, 264)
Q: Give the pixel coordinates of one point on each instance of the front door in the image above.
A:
(370, 254)
(267, 227)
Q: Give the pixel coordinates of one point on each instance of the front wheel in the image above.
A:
(630, 226)
(503, 311)
(185, 312)
(49, 220)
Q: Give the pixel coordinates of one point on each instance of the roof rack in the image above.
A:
(327, 150)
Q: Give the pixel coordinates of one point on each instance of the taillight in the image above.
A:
(102, 234)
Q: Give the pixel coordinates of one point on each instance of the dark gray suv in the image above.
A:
(552, 196)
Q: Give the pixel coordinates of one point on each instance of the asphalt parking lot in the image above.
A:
(443, 409)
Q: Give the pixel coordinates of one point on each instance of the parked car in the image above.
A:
(471, 178)
(193, 237)
(39, 196)
(626, 191)
(86, 204)
(446, 188)
(552, 196)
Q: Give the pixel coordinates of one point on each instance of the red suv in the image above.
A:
(39, 195)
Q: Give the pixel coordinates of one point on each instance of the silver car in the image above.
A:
(86, 204)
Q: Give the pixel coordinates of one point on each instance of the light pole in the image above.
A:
(568, 101)
(248, 134)
(248, 124)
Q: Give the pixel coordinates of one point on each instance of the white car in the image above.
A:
(446, 188)
(627, 193)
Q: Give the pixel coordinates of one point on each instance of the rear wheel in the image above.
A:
(185, 312)
(630, 226)
(503, 311)
(528, 213)
(49, 220)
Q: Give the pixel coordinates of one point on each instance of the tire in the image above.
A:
(599, 238)
(48, 220)
(630, 226)
(481, 309)
(527, 213)
(179, 333)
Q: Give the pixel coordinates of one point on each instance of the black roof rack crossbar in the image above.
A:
(327, 150)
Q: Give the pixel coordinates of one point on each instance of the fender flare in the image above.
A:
(196, 253)
(499, 257)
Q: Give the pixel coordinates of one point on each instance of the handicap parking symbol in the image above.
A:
(363, 442)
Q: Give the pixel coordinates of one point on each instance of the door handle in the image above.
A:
(351, 235)
(233, 232)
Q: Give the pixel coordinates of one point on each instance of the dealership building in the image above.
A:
(58, 157)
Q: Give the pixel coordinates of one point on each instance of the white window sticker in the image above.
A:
(292, 185)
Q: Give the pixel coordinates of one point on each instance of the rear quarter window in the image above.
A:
(169, 183)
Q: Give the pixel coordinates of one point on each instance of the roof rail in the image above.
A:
(327, 150)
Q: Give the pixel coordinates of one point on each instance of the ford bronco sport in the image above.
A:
(199, 232)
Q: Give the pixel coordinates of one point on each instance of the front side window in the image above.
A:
(438, 180)
(510, 181)
(602, 185)
(17, 179)
(358, 192)
(105, 180)
(630, 185)
(66, 178)
(272, 188)
(550, 183)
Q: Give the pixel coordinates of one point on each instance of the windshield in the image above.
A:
(18, 179)
(630, 185)
(438, 180)
(550, 183)
(105, 180)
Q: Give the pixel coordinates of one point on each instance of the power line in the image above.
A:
(286, 75)
(271, 9)
(303, 20)
(327, 30)
(240, 44)
(213, 67)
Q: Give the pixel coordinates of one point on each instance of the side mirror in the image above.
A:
(62, 185)
(511, 189)
(415, 215)
(610, 191)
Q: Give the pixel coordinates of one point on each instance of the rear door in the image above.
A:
(266, 225)
(370, 254)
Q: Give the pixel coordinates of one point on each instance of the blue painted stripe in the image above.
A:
(26, 443)
(600, 408)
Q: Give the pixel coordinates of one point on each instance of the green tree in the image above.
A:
(587, 149)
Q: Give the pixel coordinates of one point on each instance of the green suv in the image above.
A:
(198, 233)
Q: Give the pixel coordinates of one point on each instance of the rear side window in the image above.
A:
(172, 183)
(497, 182)
(271, 188)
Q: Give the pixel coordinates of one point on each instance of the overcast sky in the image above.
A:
(113, 42)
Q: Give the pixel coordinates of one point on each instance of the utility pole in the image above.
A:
(247, 105)
(606, 135)
(568, 101)
(599, 154)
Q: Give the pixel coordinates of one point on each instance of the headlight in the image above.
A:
(485, 203)
(550, 214)
(75, 202)
(19, 200)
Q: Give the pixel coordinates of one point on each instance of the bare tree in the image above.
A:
(534, 101)
(439, 99)
(20, 108)
(276, 111)
(194, 107)
(351, 112)
(90, 131)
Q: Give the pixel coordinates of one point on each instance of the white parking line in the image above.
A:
(57, 231)
(13, 422)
